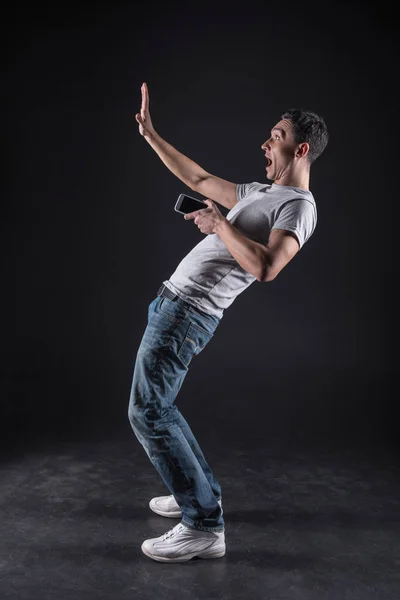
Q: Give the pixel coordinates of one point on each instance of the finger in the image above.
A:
(142, 108)
(196, 213)
(145, 99)
(192, 215)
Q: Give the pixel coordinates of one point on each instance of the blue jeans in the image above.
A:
(176, 331)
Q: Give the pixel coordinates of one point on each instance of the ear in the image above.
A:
(302, 150)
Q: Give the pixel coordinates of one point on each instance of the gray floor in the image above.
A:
(303, 524)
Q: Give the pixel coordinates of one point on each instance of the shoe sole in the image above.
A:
(205, 554)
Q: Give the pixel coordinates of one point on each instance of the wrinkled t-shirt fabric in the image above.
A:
(209, 277)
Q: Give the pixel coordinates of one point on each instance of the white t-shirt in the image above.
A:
(209, 277)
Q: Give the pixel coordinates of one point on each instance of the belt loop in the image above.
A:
(164, 291)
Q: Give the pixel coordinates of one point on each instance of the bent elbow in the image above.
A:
(268, 274)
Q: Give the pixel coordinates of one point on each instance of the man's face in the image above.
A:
(280, 149)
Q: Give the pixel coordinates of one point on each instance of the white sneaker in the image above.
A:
(167, 506)
(182, 543)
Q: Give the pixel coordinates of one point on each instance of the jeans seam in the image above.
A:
(210, 333)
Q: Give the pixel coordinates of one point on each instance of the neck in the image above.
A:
(299, 179)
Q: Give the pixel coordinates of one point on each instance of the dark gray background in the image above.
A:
(89, 231)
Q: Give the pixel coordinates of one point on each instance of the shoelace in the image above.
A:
(172, 532)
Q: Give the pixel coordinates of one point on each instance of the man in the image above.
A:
(264, 229)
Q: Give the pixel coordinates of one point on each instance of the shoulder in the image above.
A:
(246, 189)
(299, 203)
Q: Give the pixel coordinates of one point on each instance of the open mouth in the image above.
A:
(269, 162)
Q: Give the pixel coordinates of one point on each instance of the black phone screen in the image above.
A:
(188, 204)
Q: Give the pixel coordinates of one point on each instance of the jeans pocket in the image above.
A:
(150, 308)
(196, 339)
(171, 308)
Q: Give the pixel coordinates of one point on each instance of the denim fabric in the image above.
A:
(175, 333)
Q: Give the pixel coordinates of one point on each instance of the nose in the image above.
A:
(266, 145)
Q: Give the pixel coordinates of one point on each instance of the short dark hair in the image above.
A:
(308, 127)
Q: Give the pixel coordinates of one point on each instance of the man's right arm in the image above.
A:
(215, 188)
(180, 165)
(194, 176)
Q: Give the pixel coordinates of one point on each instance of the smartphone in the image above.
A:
(187, 204)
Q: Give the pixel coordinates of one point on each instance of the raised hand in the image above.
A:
(143, 118)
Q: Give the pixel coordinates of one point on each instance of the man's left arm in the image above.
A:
(264, 262)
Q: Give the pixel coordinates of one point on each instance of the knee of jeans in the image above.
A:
(142, 416)
(134, 413)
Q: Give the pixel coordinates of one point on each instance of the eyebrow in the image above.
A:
(279, 129)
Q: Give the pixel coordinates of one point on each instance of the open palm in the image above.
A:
(143, 118)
